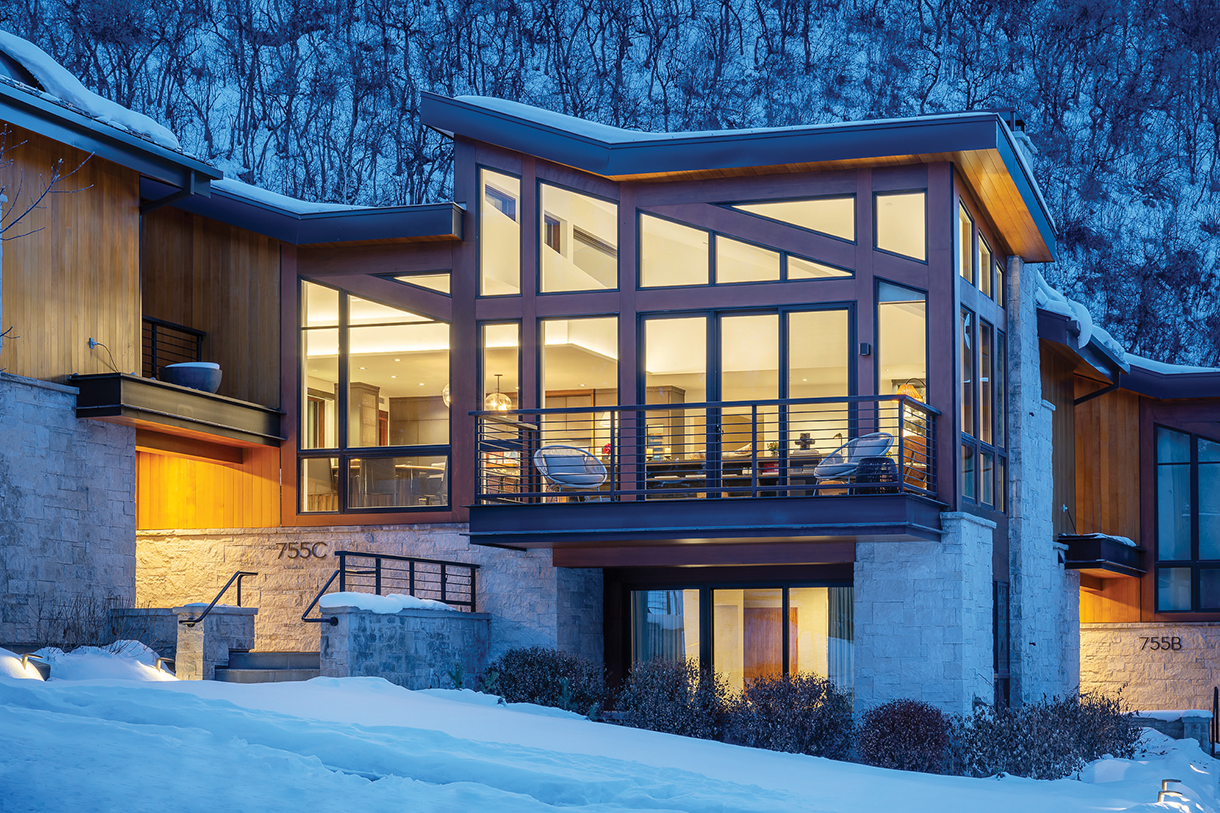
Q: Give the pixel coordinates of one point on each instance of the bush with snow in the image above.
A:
(547, 677)
(676, 698)
(801, 714)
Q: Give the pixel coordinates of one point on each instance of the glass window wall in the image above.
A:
(1187, 522)
(902, 224)
(902, 345)
(501, 364)
(743, 262)
(578, 241)
(579, 368)
(986, 392)
(438, 281)
(965, 243)
(833, 216)
(800, 268)
(984, 267)
(749, 371)
(819, 359)
(499, 234)
(966, 330)
(675, 372)
(672, 254)
(664, 625)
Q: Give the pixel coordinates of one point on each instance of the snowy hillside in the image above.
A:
(318, 101)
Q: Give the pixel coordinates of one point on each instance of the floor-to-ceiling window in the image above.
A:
(749, 633)
(374, 412)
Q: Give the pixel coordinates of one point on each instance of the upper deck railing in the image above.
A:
(795, 447)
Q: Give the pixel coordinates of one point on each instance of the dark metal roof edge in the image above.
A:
(1058, 328)
(31, 111)
(717, 150)
(337, 226)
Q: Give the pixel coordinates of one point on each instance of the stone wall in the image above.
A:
(204, 645)
(1044, 599)
(417, 649)
(530, 601)
(923, 618)
(1121, 657)
(67, 509)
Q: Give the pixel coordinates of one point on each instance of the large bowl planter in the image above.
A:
(198, 375)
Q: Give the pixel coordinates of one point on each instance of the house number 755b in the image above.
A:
(302, 550)
(1170, 643)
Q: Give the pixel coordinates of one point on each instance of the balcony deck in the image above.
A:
(726, 473)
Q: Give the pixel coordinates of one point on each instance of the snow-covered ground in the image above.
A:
(361, 744)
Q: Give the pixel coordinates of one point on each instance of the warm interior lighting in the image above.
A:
(445, 395)
(498, 400)
(908, 389)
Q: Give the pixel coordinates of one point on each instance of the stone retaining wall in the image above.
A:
(67, 510)
(417, 649)
(531, 603)
(1134, 659)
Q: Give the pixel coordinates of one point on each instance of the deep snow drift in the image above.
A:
(362, 744)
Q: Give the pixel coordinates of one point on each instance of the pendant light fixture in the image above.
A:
(498, 400)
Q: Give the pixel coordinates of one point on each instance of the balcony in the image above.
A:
(812, 469)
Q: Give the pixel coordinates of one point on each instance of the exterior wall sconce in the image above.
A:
(866, 349)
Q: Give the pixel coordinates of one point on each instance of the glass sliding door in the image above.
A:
(579, 369)
(664, 625)
(675, 373)
(749, 371)
(819, 354)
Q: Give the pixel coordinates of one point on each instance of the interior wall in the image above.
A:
(223, 280)
(74, 274)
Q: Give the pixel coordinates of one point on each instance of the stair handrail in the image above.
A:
(332, 620)
(190, 622)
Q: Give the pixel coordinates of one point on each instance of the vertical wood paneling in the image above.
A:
(1108, 463)
(1117, 602)
(224, 280)
(180, 492)
(76, 275)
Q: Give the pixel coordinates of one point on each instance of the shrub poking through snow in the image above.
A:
(909, 735)
(674, 697)
(548, 677)
(805, 714)
(1047, 740)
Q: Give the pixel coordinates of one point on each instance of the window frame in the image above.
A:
(732, 206)
(479, 169)
(344, 451)
(927, 226)
(618, 238)
(1195, 563)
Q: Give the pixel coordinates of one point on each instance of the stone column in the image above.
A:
(1043, 597)
(205, 645)
(923, 618)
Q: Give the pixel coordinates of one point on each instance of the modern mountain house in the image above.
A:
(779, 400)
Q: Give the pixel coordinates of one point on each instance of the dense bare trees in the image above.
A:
(318, 98)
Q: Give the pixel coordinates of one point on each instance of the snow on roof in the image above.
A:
(239, 189)
(61, 86)
(1051, 300)
(1166, 369)
(617, 135)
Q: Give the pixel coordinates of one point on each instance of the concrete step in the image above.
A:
(264, 675)
(274, 660)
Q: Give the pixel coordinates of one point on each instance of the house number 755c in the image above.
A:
(302, 550)
(1166, 642)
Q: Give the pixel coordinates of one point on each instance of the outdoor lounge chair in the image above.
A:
(567, 468)
(845, 462)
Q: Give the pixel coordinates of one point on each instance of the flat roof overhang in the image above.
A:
(979, 144)
(176, 171)
(168, 408)
(708, 522)
(1102, 557)
(402, 224)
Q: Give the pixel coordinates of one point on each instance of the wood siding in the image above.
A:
(1058, 389)
(173, 491)
(223, 280)
(75, 276)
(1108, 462)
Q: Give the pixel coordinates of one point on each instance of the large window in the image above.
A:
(902, 340)
(1187, 522)
(671, 253)
(983, 393)
(902, 224)
(578, 369)
(578, 241)
(499, 234)
(965, 244)
(753, 633)
(833, 216)
(374, 412)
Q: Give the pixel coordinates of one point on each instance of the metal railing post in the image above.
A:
(342, 572)
(444, 583)
(411, 578)
(472, 595)
(377, 575)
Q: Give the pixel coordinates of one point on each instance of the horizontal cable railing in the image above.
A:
(167, 343)
(782, 448)
(451, 583)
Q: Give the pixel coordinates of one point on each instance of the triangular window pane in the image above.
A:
(833, 216)
(807, 269)
(435, 281)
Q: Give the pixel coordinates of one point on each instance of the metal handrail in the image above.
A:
(332, 620)
(844, 399)
(1215, 721)
(236, 577)
(413, 583)
(187, 345)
